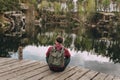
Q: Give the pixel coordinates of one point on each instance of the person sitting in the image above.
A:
(57, 56)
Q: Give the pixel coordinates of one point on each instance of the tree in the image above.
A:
(106, 4)
(118, 4)
(8, 5)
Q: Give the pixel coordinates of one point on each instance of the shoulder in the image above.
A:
(50, 48)
(67, 53)
(48, 51)
(65, 49)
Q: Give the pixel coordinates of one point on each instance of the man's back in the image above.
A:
(56, 57)
(58, 47)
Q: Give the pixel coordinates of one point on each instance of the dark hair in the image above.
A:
(59, 39)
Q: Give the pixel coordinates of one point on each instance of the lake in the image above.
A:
(84, 59)
(95, 54)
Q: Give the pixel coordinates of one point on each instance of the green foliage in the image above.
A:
(70, 6)
(52, 0)
(4, 49)
(33, 1)
(56, 7)
(118, 2)
(106, 3)
(78, 43)
(91, 6)
(43, 4)
(80, 0)
(90, 9)
(7, 5)
(68, 41)
(113, 53)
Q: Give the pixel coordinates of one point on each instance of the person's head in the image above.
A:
(59, 40)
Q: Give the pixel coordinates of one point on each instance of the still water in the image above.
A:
(79, 46)
(78, 58)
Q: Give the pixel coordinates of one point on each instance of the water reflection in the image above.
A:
(8, 44)
(85, 51)
(104, 47)
(84, 59)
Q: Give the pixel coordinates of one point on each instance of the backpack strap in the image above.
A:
(62, 50)
(53, 48)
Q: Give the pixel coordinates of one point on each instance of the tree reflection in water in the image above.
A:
(8, 44)
(104, 47)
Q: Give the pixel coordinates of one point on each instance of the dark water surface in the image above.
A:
(84, 59)
(88, 52)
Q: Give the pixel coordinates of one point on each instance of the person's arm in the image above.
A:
(67, 57)
(67, 53)
(47, 53)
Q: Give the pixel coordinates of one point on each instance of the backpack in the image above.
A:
(56, 58)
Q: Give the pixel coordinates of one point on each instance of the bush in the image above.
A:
(8, 5)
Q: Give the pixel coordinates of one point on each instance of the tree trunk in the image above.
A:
(30, 17)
